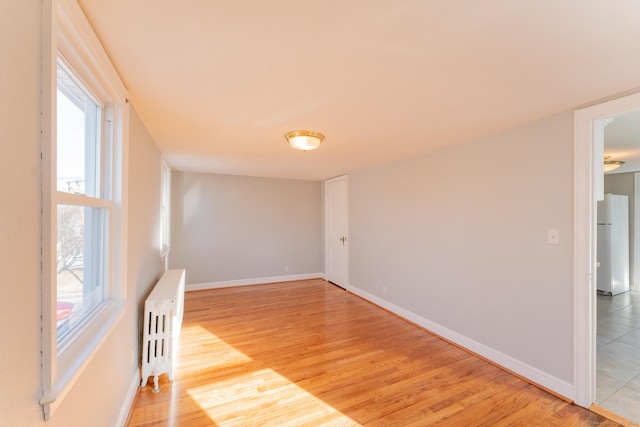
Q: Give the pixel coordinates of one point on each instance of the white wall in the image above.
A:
(96, 399)
(459, 237)
(227, 228)
(624, 183)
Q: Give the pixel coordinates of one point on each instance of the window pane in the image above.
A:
(78, 150)
(164, 213)
(81, 264)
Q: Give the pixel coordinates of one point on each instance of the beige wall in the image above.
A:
(459, 237)
(97, 397)
(227, 228)
(19, 212)
(145, 200)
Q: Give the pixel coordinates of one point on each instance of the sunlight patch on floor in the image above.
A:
(212, 352)
(264, 397)
(246, 393)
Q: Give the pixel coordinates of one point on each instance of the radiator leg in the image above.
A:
(156, 387)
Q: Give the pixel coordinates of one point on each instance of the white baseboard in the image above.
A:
(128, 399)
(254, 281)
(535, 375)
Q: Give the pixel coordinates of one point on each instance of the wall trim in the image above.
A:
(555, 385)
(127, 404)
(254, 281)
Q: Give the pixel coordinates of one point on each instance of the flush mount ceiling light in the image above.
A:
(304, 140)
(610, 165)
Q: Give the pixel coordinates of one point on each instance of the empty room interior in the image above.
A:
(377, 213)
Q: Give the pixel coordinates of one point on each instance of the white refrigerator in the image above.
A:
(613, 244)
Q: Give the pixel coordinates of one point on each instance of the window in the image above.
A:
(84, 146)
(165, 219)
(83, 204)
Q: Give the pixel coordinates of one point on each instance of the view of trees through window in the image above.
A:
(69, 264)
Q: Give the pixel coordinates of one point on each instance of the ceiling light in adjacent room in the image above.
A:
(304, 140)
(610, 165)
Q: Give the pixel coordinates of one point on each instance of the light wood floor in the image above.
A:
(309, 354)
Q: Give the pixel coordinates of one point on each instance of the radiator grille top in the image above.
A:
(166, 287)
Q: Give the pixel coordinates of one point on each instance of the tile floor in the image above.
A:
(618, 354)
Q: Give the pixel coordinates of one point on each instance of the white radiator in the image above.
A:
(162, 320)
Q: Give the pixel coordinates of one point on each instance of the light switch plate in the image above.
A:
(553, 236)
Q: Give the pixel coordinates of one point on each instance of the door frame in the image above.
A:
(589, 123)
(326, 225)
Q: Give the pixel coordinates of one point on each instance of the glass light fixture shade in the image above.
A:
(610, 165)
(304, 140)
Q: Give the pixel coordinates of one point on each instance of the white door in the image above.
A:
(336, 231)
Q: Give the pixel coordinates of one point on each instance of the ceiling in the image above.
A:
(219, 83)
(622, 141)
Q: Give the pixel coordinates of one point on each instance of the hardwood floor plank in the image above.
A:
(310, 354)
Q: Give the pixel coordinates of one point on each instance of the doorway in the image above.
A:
(589, 127)
(618, 308)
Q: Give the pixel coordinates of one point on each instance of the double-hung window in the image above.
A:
(84, 136)
(83, 204)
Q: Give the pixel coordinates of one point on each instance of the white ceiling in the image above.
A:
(219, 83)
(622, 141)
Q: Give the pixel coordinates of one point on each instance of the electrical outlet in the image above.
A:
(384, 290)
(286, 268)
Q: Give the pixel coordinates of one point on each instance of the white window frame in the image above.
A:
(165, 222)
(68, 35)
